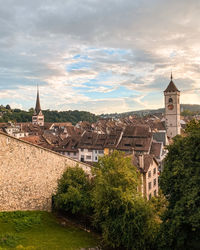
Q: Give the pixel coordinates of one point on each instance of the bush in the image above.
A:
(74, 192)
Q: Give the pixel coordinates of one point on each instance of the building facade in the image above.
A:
(172, 110)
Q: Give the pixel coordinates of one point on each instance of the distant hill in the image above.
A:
(184, 107)
(17, 115)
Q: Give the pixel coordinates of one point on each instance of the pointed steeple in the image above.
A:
(171, 87)
(37, 106)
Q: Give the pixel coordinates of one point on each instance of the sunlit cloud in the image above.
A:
(85, 55)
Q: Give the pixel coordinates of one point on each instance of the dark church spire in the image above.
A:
(37, 106)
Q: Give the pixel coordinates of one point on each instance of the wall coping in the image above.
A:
(45, 149)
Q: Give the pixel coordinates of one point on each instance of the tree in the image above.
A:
(192, 126)
(8, 107)
(120, 212)
(180, 183)
(74, 192)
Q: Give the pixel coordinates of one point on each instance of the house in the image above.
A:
(148, 167)
(91, 146)
(14, 130)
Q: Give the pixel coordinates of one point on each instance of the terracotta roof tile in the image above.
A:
(171, 87)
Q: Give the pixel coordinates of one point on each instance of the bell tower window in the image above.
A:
(170, 100)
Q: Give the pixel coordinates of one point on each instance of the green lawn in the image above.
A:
(40, 230)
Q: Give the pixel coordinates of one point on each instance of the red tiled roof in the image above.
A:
(171, 87)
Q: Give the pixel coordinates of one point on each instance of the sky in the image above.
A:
(102, 56)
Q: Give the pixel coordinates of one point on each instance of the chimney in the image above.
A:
(141, 160)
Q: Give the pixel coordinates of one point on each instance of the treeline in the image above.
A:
(17, 115)
(69, 116)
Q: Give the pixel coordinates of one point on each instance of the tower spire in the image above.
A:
(171, 75)
(37, 106)
(38, 117)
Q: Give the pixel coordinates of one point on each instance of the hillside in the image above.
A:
(41, 230)
(17, 115)
(192, 108)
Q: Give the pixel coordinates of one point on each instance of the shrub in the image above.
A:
(73, 194)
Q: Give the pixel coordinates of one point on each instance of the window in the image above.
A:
(96, 158)
(89, 150)
(82, 150)
(154, 193)
(74, 153)
(149, 174)
(154, 182)
(95, 151)
(101, 151)
(170, 100)
(149, 196)
(154, 171)
(149, 185)
(88, 157)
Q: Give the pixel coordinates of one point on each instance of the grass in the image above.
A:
(42, 231)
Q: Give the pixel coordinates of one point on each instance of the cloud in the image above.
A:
(84, 52)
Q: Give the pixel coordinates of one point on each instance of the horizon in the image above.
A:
(87, 56)
(139, 110)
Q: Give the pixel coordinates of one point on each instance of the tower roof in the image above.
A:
(37, 106)
(171, 87)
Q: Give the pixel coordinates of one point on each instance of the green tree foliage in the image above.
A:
(180, 183)
(192, 126)
(70, 116)
(159, 205)
(18, 115)
(74, 192)
(125, 219)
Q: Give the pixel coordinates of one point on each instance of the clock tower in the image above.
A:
(172, 109)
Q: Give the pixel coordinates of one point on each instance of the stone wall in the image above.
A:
(29, 174)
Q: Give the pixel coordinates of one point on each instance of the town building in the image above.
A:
(148, 167)
(172, 110)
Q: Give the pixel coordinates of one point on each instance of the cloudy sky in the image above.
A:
(102, 56)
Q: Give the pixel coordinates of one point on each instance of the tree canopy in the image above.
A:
(74, 192)
(18, 115)
(180, 183)
(124, 217)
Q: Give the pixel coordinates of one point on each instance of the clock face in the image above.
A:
(170, 106)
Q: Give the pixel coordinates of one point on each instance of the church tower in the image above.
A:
(172, 109)
(38, 117)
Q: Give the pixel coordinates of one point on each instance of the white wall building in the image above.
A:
(172, 110)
